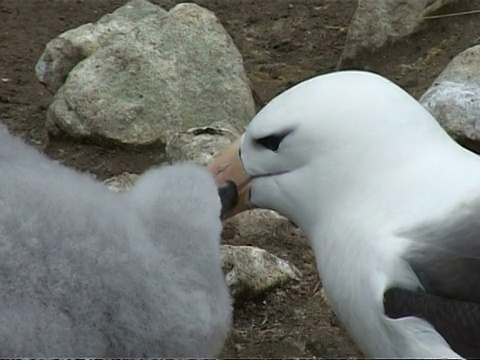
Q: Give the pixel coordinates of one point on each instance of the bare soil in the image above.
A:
(283, 42)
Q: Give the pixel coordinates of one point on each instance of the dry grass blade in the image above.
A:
(470, 12)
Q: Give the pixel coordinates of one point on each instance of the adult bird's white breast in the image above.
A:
(367, 173)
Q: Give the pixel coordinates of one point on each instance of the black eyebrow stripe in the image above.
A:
(281, 135)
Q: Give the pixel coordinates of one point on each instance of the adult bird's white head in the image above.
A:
(323, 139)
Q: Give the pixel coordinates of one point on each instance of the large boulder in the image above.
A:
(454, 98)
(145, 74)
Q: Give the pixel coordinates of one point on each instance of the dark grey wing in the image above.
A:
(457, 321)
(446, 255)
(446, 258)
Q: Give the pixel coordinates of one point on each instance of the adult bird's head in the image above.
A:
(321, 140)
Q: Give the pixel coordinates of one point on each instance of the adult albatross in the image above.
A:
(389, 202)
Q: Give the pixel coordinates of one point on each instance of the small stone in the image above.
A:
(122, 182)
(199, 144)
(454, 98)
(251, 271)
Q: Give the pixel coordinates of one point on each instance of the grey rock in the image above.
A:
(64, 52)
(147, 79)
(133, 11)
(251, 271)
(199, 144)
(378, 22)
(50, 70)
(122, 182)
(249, 224)
(454, 98)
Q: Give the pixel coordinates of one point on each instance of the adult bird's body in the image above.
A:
(390, 203)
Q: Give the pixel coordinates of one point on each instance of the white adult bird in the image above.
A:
(85, 271)
(389, 202)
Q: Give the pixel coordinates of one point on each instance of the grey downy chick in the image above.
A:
(85, 271)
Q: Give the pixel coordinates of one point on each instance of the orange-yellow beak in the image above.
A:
(227, 165)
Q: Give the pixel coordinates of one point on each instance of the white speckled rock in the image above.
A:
(251, 271)
(454, 98)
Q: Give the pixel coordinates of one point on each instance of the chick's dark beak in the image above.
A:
(228, 197)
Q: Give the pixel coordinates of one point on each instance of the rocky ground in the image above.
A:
(283, 42)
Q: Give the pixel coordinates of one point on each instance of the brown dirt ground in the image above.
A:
(283, 42)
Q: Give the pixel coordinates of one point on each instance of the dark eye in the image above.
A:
(272, 142)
